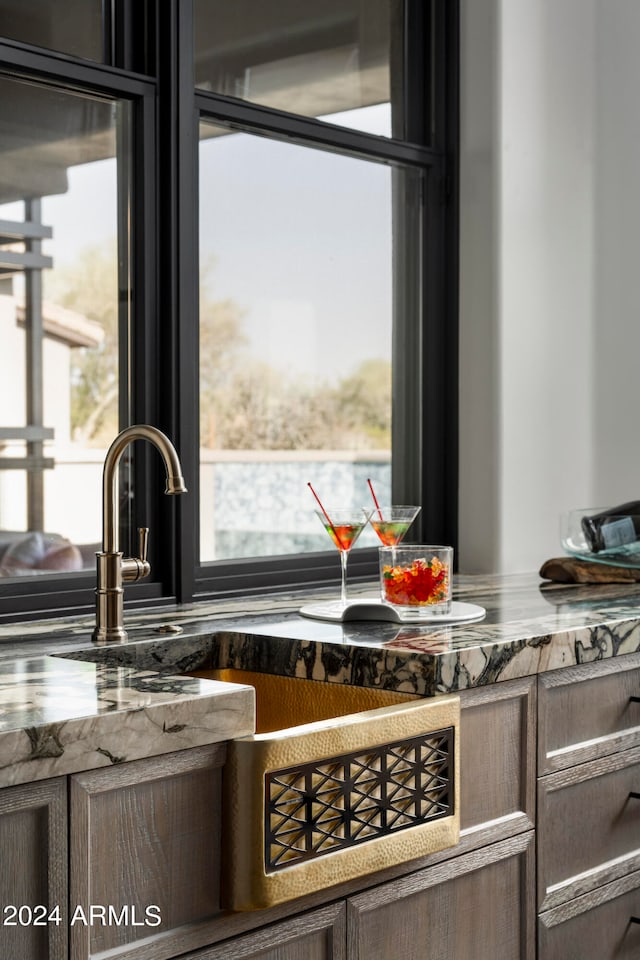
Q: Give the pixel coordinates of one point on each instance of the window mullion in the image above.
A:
(177, 277)
(319, 133)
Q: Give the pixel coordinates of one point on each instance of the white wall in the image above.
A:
(73, 489)
(480, 389)
(616, 461)
(13, 509)
(549, 328)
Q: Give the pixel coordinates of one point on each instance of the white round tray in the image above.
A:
(370, 608)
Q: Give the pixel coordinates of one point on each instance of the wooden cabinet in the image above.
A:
(497, 762)
(588, 827)
(588, 823)
(477, 900)
(317, 935)
(587, 712)
(597, 926)
(33, 878)
(136, 856)
(145, 848)
(473, 907)
(146, 834)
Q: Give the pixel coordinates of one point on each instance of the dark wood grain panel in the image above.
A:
(498, 760)
(146, 835)
(586, 712)
(473, 907)
(596, 925)
(318, 935)
(588, 826)
(33, 846)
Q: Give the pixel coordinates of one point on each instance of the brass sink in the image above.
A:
(337, 782)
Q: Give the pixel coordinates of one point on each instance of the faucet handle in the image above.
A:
(136, 568)
(143, 543)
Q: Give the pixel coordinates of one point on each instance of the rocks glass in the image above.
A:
(416, 579)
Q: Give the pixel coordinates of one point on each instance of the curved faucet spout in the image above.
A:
(112, 569)
(175, 480)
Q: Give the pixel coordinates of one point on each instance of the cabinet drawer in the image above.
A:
(587, 712)
(588, 827)
(597, 926)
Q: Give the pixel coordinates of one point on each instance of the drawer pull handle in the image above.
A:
(634, 699)
(634, 794)
(634, 920)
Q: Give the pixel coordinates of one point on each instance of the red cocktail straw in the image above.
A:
(326, 515)
(375, 499)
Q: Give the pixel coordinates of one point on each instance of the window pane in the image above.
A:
(295, 336)
(325, 58)
(59, 303)
(74, 26)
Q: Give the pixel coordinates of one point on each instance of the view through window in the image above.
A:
(295, 340)
(313, 219)
(75, 26)
(323, 58)
(59, 303)
(296, 273)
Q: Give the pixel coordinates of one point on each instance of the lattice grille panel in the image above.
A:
(327, 805)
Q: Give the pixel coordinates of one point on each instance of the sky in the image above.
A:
(299, 239)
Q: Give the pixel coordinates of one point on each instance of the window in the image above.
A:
(236, 222)
(64, 187)
(295, 339)
(338, 59)
(318, 278)
(75, 27)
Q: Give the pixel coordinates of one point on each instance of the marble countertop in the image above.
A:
(68, 705)
(61, 716)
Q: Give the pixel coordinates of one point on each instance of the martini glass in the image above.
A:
(391, 523)
(344, 525)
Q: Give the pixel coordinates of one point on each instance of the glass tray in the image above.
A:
(575, 544)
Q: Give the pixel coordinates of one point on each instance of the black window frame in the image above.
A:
(164, 343)
(73, 593)
(426, 362)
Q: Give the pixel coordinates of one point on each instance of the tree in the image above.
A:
(364, 398)
(244, 402)
(222, 345)
(90, 287)
(261, 409)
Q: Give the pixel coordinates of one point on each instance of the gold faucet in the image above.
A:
(112, 568)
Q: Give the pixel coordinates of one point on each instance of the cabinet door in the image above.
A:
(33, 851)
(317, 935)
(479, 906)
(145, 855)
(497, 762)
(598, 925)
